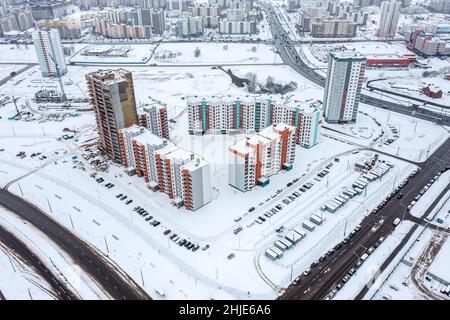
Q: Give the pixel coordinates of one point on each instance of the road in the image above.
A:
(107, 275)
(324, 277)
(22, 252)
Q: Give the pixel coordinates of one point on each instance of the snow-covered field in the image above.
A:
(215, 53)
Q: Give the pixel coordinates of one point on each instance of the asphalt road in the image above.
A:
(324, 277)
(107, 275)
(289, 55)
(21, 250)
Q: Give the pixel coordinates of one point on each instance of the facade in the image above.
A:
(252, 115)
(49, 51)
(182, 175)
(388, 21)
(344, 80)
(190, 26)
(253, 160)
(112, 95)
(154, 118)
(236, 27)
(329, 27)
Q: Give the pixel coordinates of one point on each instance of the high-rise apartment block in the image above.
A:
(182, 175)
(388, 20)
(49, 51)
(112, 95)
(344, 80)
(252, 115)
(253, 160)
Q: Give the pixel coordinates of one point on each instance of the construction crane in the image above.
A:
(61, 85)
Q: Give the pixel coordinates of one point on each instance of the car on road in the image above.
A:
(167, 232)
(307, 272)
(129, 201)
(358, 227)
(119, 195)
(346, 278)
(123, 197)
(396, 221)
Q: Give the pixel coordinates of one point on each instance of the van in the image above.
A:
(396, 221)
(160, 292)
(237, 230)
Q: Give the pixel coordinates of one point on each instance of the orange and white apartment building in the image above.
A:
(253, 160)
(182, 175)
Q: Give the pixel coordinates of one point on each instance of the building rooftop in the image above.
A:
(347, 55)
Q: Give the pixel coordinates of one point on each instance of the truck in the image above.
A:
(293, 237)
(308, 225)
(316, 219)
(396, 221)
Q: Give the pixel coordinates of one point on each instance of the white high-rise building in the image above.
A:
(345, 76)
(49, 51)
(388, 21)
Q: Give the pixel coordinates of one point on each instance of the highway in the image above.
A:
(22, 252)
(326, 275)
(108, 276)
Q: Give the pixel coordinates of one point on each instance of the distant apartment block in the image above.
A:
(221, 115)
(253, 160)
(388, 19)
(49, 51)
(112, 95)
(182, 175)
(344, 80)
(154, 118)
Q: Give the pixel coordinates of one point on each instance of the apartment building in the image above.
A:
(222, 115)
(330, 27)
(253, 160)
(182, 175)
(111, 93)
